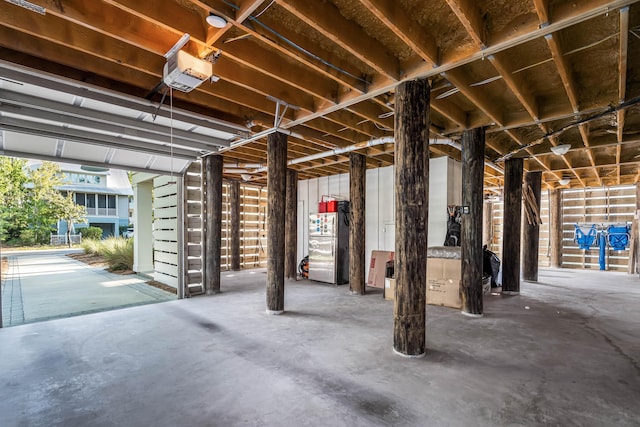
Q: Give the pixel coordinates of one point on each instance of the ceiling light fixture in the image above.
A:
(564, 181)
(561, 149)
(216, 21)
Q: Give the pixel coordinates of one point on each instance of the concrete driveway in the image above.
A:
(46, 285)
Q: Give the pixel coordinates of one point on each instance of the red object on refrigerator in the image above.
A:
(332, 206)
(323, 205)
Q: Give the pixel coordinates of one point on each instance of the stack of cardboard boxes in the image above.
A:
(443, 283)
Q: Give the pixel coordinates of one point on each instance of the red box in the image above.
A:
(332, 206)
(322, 207)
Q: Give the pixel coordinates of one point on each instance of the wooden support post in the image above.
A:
(357, 187)
(487, 223)
(411, 215)
(276, 201)
(512, 225)
(634, 245)
(471, 236)
(212, 223)
(531, 232)
(291, 227)
(555, 227)
(234, 226)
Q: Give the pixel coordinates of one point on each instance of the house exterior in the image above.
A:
(104, 192)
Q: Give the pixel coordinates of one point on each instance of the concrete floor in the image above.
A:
(565, 352)
(44, 285)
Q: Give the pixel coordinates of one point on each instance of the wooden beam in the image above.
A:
(620, 134)
(511, 233)
(469, 15)
(622, 56)
(531, 232)
(357, 226)
(542, 9)
(291, 226)
(411, 216)
(212, 223)
(276, 185)
(516, 84)
(563, 70)
(584, 133)
(471, 234)
(346, 34)
(405, 28)
(555, 227)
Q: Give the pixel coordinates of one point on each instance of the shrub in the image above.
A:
(91, 246)
(118, 252)
(94, 233)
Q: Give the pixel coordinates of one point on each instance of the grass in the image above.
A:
(118, 252)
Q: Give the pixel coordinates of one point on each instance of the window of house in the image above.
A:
(102, 201)
(91, 201)
(111, 200)
(81, 199)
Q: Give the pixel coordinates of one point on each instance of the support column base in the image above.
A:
(510, 292)
(409, 356)
(274, 312)
(473, 315)
(212, 292)
(355, 293)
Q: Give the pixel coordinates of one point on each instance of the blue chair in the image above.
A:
(585, 237)
(618, 237)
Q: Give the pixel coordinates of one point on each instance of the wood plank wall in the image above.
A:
(590, 206)
(253, 226)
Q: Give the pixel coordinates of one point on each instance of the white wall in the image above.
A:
(445, 188)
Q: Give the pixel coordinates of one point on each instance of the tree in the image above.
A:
(71, 213)
(44, 201)
(31, 202)
(13, 195)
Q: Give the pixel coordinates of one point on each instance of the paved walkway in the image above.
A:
(48, 285)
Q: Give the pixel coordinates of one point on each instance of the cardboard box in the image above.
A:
(443, 282)
(389, 289)
(377, 268)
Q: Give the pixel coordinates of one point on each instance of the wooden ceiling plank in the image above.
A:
(622, 58)
(349, 80)
(469, 15)
(563, 70)
(472, 94)
(584, 133)
(542, 9)
(578, 15)
(191, 22)
(404, 27)
(347, 34)
(516, 84)
(289, 74)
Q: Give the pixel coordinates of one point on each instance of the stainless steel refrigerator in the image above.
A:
(329, 246)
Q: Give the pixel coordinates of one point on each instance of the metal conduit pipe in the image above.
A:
(361, 145)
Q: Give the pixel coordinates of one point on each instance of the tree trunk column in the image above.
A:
(276, 201)
(411, 216)
(357, 187)
(212, 223)
(291, 227)
(512, 224)
(487, 223)
(531, 238)
(555, 227)
(234, 226)
(472, 192)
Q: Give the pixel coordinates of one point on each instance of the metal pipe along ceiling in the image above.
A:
(359, 146)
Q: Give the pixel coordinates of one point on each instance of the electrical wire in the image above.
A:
(253, 18)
